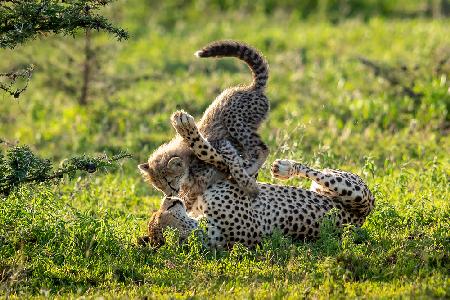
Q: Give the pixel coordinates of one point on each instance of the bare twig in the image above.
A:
(388, 74)
(13, 77)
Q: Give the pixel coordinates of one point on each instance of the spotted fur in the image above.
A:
(233, 117)
(295, 211)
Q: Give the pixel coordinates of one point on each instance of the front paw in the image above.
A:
(282, 169)
(183, 123)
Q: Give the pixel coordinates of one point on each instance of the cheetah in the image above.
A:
(229, 125)
(296, 212)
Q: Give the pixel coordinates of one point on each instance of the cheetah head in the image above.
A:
(171, 214)
(166, 168)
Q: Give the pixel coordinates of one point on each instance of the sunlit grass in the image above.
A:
(327, 111)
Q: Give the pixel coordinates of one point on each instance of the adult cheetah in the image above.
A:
(297, 212)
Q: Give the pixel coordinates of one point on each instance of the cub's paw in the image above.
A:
(282, 169)
(183, 123)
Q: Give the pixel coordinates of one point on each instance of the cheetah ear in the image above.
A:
(144, 168)
(175, 165)
(168, 202)
(165, 202)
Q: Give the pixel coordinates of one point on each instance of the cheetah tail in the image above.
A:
(255, 60)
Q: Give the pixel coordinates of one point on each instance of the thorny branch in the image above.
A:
(22, 166)
(12, 77)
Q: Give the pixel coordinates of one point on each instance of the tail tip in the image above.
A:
(200, 53)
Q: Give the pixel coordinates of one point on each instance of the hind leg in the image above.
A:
(237, 170)
(242, 119)
(258, 156)
(348, 188)
(255, 150)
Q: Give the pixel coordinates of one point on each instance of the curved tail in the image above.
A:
(258, 65)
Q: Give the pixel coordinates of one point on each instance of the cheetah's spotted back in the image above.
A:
(294, 211)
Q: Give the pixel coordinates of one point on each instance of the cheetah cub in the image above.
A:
(225, 143)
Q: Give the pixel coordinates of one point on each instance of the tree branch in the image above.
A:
(389, 76)
(13, 77)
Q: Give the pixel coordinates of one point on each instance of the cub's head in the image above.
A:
(172, 213)
(167, 167)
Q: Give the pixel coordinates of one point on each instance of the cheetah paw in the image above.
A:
(282, 169)
(183, 123)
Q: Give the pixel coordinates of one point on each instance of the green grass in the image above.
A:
(79, 238)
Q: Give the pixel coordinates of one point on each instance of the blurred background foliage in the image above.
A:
(332, 10)
(134, 86)
(355, 85)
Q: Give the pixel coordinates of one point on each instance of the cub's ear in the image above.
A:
(169, 202)
(175, 165)
(165, 202)
(143, 167)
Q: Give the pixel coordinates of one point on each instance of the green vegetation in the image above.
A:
(328, 110)
(23, 20)
(22, 166)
